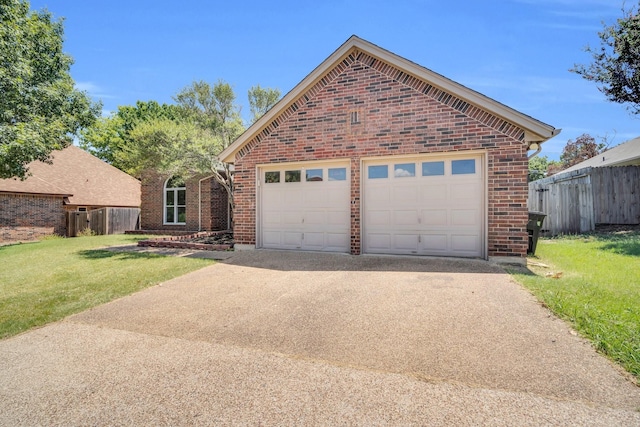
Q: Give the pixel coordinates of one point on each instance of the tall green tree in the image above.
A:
(538, 167)
(261, 100)
(211, 122)
(576, 151)
(109, 137)
(40, 108)
(616, 62)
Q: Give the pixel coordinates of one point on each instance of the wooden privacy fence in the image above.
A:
(577, 201)
(103, 221)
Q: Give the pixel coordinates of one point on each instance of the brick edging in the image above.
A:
(177, 243)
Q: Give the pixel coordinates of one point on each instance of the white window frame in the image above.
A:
(175, 191)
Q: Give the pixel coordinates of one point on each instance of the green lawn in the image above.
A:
(598, 292)
(45, 281)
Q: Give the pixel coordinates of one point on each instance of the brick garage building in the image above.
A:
(170, 205)
(74, 180)
(372, 153)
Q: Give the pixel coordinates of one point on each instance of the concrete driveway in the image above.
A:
(284, 338)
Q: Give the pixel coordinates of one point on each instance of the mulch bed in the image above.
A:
(204, 241)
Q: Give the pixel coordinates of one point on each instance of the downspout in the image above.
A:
(538, 148)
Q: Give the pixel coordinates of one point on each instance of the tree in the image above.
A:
(209, 124)
(109, 137)
(616, 63)
(583, 148)
(40, 108)
(261, 100)
(538, 167)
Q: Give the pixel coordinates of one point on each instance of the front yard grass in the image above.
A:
(45, 281)
(598, 290)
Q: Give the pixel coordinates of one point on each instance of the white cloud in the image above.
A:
(399, 172)
(93, 90)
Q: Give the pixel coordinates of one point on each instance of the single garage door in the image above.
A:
(424, 206)
(305, 207)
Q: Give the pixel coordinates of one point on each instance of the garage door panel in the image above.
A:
(404, 193)
(406, 242)
(467, 192)
(405, 218)
(434, 193)
(291, 217)
(292, 238)
(293, 196)
(465, 242)
(379, 242)
(379, 196)
(272, 238)
(435, 212)
(307, 215)
(338, 218)
(335, 195)
(314, 218)
(379, 218)
(434, 242)
(313, 240)
(434, 217)
(336, 241)
(463, 217)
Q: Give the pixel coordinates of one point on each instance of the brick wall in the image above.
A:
(399, 114)
(213, 202)
(29, 217)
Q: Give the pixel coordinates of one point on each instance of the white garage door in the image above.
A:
(305, 207)
(424, 206)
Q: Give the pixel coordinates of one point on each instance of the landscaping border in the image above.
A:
(178, 242)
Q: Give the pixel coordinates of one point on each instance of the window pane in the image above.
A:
(292, 176)
(404, 170)
(314, 175)
(170, 213)
(175, 182)
(432, 168)
(376, 172)
(170, 194)
(462, 167)
(181, 197)
(272, 177)
(337, 174)
(182, 214)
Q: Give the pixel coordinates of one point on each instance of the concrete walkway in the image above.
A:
(282, 338)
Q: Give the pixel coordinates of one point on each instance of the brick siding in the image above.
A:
(399, 114)
(213, 203)
(26, 217)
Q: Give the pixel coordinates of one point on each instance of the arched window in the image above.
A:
(175, 201)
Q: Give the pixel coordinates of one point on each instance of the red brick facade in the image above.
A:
(26, 217)
(399, 114)
(212, 203)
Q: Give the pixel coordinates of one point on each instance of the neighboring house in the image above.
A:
(604, 189)
(75, 180)
(372, 153)
(170, 204)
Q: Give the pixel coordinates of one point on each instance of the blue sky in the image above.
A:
(515, 51)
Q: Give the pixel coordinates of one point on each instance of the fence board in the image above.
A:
(617, 187)
(577, 202)
(103, 221)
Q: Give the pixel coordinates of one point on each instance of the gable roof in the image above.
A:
(625, 154)
(534, 130)
(84, 178)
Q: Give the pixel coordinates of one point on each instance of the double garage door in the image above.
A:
(424, 206)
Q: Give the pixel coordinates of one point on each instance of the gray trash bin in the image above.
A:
(533, 227)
